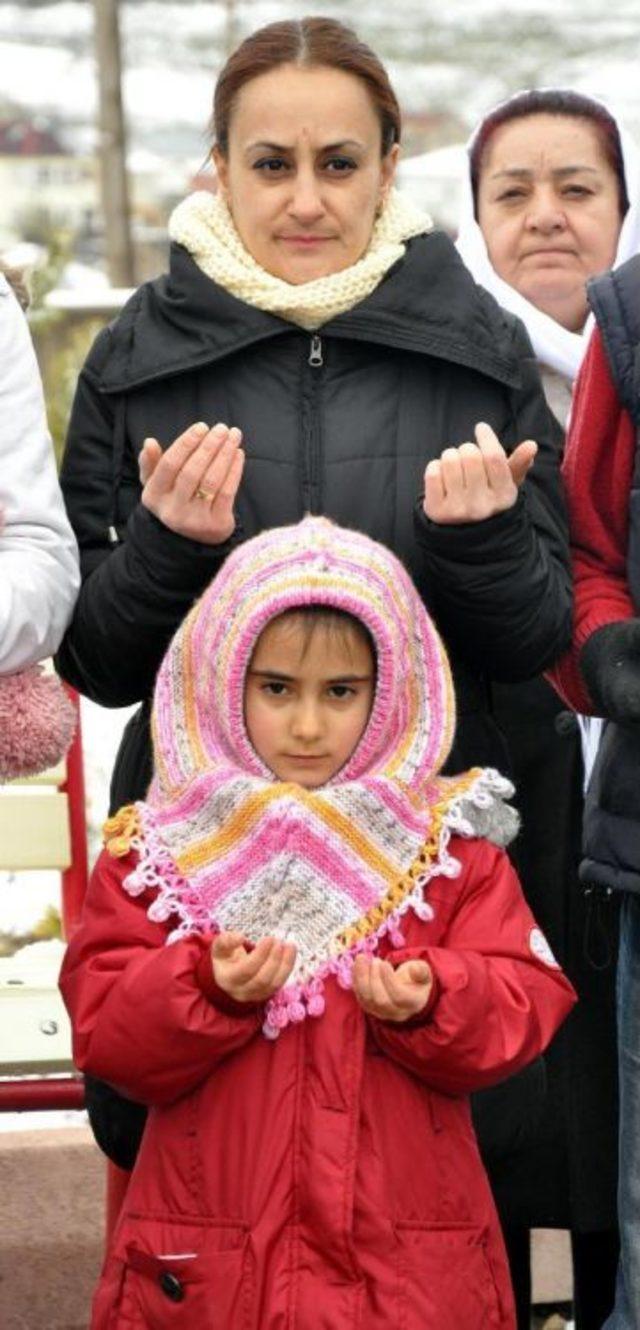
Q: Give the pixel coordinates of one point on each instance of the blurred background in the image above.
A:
(104, 108)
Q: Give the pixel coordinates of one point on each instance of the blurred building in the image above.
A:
(42, 183)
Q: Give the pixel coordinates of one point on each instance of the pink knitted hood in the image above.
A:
(198, 712)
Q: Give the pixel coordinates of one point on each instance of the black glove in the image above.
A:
(610, 664)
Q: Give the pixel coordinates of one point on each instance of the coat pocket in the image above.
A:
(445, 1278)
(174, 1274)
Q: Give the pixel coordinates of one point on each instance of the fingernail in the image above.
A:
(198, 431)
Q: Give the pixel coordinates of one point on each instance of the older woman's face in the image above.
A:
(304, 176)
(548, 208)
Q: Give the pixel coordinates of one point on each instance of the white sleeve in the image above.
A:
(39, 576)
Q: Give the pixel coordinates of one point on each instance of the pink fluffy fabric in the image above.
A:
(37, 722)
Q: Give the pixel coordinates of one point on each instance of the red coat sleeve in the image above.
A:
(144, 1018)
(597, 473)
(501, 996)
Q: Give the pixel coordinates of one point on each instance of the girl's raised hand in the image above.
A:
(388, 993)
(476, 480)
(192, 486)
(251, 976)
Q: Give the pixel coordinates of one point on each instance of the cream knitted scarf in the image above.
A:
(203, 224)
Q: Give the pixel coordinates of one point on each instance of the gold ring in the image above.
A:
(202, 493)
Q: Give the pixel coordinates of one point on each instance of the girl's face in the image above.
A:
(548, 208)
(304, 176)
(308, 699)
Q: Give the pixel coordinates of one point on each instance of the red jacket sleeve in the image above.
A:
(597, 473)
(145, 1019)
(501, 996)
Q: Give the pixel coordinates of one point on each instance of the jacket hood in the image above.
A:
(427, 303)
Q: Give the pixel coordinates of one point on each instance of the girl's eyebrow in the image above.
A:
(350, 678)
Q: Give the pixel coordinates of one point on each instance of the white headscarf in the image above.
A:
(553, 345)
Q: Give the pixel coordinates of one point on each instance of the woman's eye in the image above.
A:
(511, 195)
(270, 165)
(577, 191)
(339, 165)
(274, 688)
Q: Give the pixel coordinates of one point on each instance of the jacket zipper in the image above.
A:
(315, 352)
(315, 360)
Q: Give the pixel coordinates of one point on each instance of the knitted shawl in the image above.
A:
(223, 845)
(203, 225)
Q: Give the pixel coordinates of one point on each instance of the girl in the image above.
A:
(347, 959)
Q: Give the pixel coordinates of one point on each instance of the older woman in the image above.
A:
(552, 197)
(345, 343)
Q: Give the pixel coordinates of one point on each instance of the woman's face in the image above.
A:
(549, 211)
(304, 176)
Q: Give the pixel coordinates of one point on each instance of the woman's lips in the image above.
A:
(557, 253)
(305, 242)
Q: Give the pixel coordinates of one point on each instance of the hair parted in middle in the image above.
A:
(310, 43)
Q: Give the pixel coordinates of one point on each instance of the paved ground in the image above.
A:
(52, 1187)
(51, 1235)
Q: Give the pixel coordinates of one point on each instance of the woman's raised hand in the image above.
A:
(388, 993)
(192, 486)
(476, 480)
(251, 976)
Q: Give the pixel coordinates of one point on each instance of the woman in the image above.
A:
(551, 198)
(316, 312)
(39, 575)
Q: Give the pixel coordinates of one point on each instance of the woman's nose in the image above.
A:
(546, 214)
(306, 203)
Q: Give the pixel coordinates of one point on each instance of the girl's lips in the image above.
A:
(305, 757)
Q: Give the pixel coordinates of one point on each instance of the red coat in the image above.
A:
(330, 1180)
(597, 473)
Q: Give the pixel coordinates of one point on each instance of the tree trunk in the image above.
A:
(112, 145)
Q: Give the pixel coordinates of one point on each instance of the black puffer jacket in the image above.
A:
(342, 422)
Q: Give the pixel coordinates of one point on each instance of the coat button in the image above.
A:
(171, 1286)
(566, 723)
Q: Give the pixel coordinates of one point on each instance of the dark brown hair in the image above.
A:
(552, 101)
(335, 622)
(308, 42)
